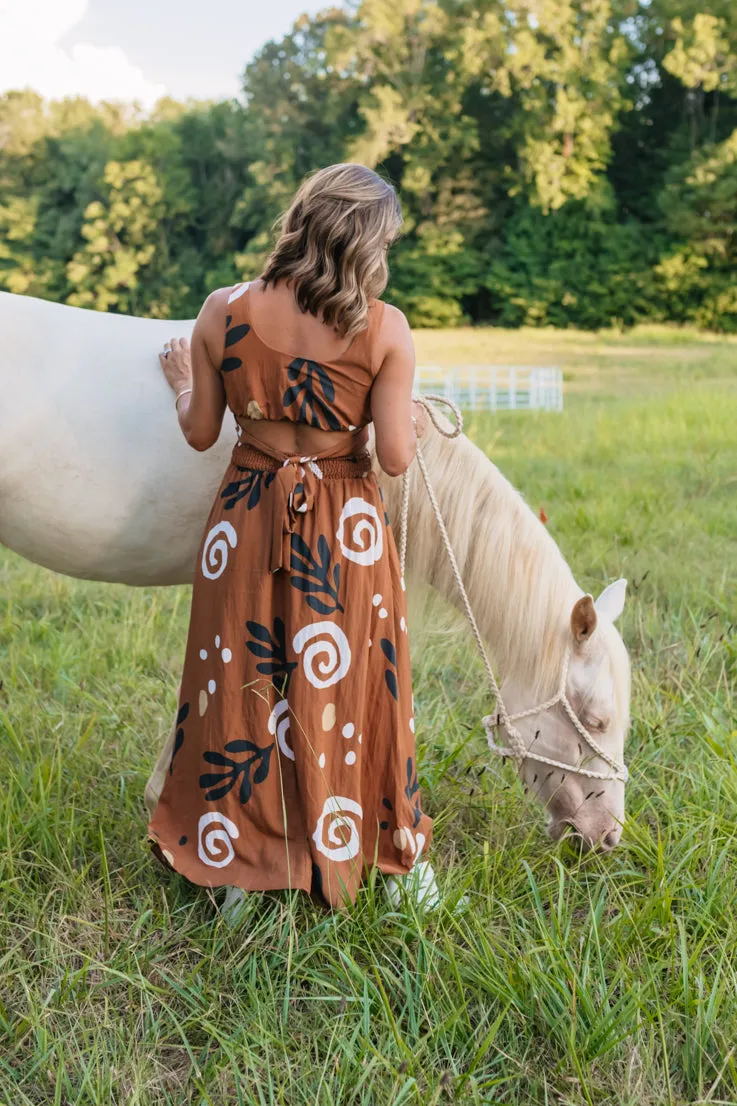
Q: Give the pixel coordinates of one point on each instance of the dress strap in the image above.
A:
(238, 290)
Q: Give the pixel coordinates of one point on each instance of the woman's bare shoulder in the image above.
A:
(394, 335)
(393, 319)
(211, 321)
(219, 299)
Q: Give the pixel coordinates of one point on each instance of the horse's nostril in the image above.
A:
(610, 840)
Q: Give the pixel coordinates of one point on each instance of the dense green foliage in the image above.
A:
(602, 981)
(560, 162)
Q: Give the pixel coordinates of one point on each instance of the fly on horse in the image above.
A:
(97, 482)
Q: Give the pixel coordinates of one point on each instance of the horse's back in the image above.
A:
(96, 479)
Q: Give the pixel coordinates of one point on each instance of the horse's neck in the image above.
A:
(520, 587)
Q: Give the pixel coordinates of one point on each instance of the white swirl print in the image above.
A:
(359, 532)
(215, 846)
(215, 551)
(328, 658)
(404, 838)
(279, 725)
(337, 835)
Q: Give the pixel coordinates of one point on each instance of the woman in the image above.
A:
(294, 759)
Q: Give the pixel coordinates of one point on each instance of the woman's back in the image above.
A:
(282, 325)
(290, 381)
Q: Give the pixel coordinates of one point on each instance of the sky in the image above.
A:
(137, 49)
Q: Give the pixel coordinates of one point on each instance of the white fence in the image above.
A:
(495, 387)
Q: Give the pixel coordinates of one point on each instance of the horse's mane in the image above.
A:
(520, 587)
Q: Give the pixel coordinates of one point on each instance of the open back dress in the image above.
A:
(294, 759)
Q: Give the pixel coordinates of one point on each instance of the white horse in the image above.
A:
(96, 481)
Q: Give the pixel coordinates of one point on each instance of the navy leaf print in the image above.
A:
(230, 363)
(313, 392)
(387, 803)
(216, 792)
(313, 575)
(235, 334)
(386, 516)
(263, 769)
(259, 631)
(218, 784)
(391, 655)
(240, 747)
(412, 789)
(212, 756)
(179, 736)
(250, 485)
(274, 652)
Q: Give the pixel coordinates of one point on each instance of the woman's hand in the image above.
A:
(176, 364)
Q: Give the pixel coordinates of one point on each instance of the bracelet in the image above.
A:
(179, 395)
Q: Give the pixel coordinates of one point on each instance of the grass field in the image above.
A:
(567, 980)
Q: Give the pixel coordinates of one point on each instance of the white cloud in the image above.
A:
(31, 57)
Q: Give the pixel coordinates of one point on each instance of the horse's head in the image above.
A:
(598, 691)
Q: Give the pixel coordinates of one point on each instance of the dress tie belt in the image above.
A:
(294, 494)
(294, 482)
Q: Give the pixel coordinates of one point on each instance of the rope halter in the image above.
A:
(520, 752)
(500, 719)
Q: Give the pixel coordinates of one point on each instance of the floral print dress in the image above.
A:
(294, 760)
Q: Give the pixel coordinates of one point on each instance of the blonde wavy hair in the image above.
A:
(333, 242)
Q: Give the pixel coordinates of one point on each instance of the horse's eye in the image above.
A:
(592, 722)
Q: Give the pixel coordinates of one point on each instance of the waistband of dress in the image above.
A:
(340, 468)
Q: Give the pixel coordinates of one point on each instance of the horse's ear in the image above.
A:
(583, 619)
(611, 601)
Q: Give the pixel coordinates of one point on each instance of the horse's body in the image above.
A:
(96, 481)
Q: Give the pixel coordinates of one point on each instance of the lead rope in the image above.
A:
(518, 750)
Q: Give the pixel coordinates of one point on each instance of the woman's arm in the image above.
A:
(196, 366)
(391, 395)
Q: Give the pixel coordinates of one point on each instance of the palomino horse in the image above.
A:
(97, 482)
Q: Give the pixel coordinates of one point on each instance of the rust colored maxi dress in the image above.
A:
(294, 759)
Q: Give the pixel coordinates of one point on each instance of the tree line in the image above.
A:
(559, 162)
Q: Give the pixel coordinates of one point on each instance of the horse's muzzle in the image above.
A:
(584, 839)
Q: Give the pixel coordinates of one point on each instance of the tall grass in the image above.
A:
(566, 979)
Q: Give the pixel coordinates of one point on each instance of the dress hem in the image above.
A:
(278, 883)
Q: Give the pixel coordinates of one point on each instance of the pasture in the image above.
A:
(567, 980)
